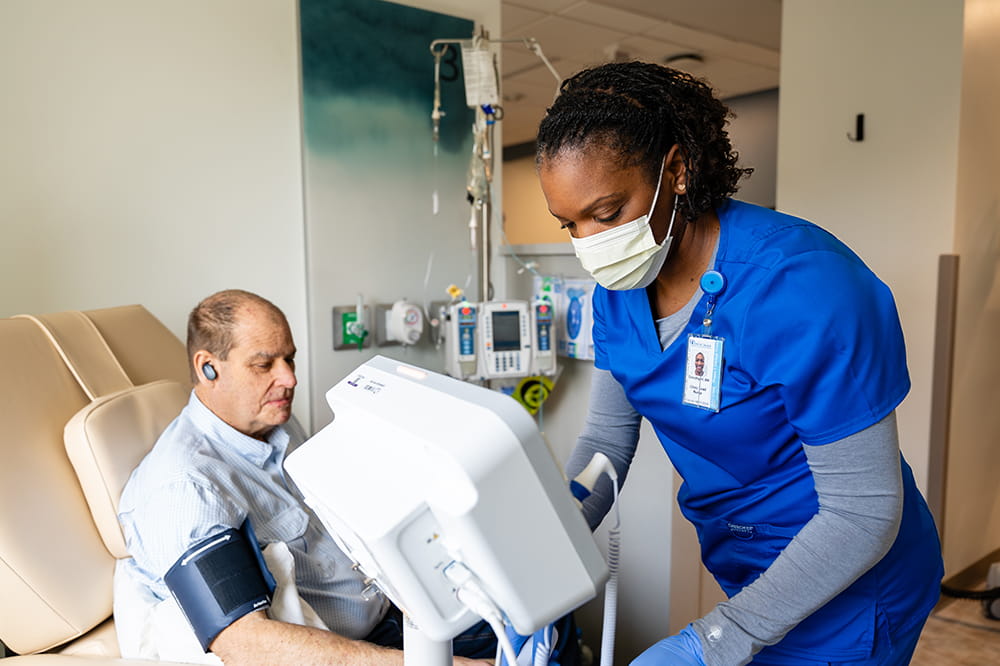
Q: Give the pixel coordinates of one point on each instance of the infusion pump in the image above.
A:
(499, 339)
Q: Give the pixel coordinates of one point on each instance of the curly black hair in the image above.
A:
(640, 110)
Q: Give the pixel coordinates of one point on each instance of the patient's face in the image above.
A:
(256, 384)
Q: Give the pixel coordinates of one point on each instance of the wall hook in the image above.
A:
(859, 129)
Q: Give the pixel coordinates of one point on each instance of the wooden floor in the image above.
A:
(958, 634)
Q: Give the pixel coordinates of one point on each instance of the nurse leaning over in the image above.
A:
(768, 359)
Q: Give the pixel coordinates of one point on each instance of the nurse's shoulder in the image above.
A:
(768, 238)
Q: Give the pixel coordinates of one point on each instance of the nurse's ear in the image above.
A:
(675, 169)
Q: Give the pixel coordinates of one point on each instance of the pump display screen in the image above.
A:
(506, 331)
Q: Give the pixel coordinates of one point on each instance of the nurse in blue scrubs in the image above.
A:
(769, 360)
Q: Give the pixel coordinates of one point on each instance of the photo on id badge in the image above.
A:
(703, 372)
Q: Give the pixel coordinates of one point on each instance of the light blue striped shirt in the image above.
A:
(203, 477)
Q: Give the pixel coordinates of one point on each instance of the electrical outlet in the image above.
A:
(346, 332)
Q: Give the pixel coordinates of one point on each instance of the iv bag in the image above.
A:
(480, 75)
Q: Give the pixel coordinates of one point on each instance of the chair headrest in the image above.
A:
(145, 348)
(84, 351)
(108, 438)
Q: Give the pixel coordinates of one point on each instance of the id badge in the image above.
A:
(703, 372)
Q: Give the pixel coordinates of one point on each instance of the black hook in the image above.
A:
(859, 129)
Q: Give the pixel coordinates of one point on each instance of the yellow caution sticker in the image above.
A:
(532, 392)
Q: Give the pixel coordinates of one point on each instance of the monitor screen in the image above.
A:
(506, 331)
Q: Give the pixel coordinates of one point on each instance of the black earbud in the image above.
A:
(209, 371)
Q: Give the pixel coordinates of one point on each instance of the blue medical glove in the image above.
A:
(537, 648)
(517, 641)
(682, 649)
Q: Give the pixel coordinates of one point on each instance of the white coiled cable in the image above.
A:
(611, 587)
(582, 486)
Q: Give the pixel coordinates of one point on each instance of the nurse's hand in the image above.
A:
(682, 649)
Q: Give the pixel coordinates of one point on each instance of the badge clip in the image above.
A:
(703, 371)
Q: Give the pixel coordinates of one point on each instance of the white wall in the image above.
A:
(972, 499)
(891, 197)
(151, 155)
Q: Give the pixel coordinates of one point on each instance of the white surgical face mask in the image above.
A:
(626, 256)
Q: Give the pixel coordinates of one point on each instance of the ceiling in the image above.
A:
(737, 40)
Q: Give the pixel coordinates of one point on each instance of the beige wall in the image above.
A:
(972, 500)
(526, 216)
(150, 154)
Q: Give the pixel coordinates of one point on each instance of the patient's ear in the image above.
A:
(206, 366)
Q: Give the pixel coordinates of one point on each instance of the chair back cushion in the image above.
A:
(55, 573)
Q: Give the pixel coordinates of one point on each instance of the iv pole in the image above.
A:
(420, 650)
(479, 189)
(485, 202)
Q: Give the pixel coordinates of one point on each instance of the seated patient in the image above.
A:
(219, 465)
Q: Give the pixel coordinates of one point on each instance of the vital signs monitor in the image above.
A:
(443, 491)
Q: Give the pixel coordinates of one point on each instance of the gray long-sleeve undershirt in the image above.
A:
(859, 487)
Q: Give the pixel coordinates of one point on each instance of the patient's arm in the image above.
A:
(257, 639)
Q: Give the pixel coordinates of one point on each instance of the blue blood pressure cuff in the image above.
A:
(219, 580)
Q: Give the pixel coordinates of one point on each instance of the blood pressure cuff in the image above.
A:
(219, 580)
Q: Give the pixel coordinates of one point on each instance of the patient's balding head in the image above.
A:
(212, 322)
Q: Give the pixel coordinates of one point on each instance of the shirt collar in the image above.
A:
(253, 450)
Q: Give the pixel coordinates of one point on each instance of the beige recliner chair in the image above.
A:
(85, 395)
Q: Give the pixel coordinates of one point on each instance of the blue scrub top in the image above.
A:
(813, 353)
